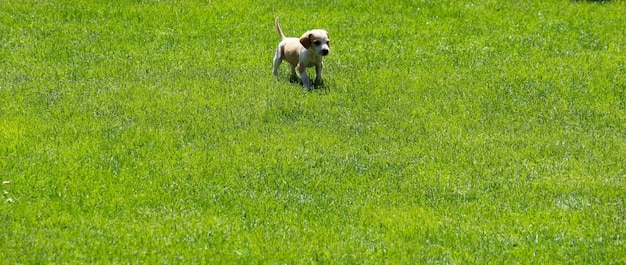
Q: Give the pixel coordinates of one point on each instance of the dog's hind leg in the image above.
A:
(277, 61)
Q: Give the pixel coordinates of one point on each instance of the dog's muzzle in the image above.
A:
(325, 52)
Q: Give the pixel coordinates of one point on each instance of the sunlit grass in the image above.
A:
(155, 132)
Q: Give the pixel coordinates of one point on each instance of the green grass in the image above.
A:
(481, 132)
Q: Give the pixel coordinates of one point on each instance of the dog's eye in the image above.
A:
(317, 42)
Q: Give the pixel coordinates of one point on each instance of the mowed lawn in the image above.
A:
(454, 132)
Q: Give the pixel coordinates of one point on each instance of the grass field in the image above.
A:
(454, 132)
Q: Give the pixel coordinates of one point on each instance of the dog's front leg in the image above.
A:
(306, 82)
(318, 74)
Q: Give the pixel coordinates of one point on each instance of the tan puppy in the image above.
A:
(306, 51)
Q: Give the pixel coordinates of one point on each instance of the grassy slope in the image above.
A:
(154, 132)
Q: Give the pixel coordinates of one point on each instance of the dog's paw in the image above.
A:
(318, 84)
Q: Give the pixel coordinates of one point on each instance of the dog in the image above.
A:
(301, 53)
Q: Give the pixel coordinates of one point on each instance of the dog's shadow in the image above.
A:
(315, 86)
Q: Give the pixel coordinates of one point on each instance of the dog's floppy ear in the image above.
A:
(305, 40)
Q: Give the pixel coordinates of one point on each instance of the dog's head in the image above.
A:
(318, 40)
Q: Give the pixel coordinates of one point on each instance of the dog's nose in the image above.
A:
(325, 52)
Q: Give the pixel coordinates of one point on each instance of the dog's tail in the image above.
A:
(280, 32)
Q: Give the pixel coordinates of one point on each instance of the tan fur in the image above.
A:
(301, 53)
